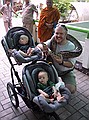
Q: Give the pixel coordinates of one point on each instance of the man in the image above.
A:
(27, 15)
(64, 66)
(48, 19)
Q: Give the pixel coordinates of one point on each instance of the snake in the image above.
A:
(69, 54)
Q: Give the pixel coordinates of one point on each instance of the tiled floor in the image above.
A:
(77, 109)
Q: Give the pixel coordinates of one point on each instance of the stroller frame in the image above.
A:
(18, 89)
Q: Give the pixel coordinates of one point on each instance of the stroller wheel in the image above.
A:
(12, 95)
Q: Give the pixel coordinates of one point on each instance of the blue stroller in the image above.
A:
(27, 85)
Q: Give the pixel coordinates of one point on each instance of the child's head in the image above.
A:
(43, 77)
(23, 40)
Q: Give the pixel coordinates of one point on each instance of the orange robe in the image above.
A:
(48, 15)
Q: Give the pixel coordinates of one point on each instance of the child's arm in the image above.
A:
(30, 50)
(23, 53)
(54, 91)
(1, 12)
(14, 12)
(43, 93)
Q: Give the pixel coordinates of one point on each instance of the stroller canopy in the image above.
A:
(14, 34)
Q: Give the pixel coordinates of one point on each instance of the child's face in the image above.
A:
(8, 2)
(23, 40)
(43, 77)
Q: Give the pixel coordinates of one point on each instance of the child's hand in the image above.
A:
(55, 94)
(46, 95)
(60, 98)
(29, 51)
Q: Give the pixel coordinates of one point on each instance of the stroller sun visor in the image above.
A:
(13, 36)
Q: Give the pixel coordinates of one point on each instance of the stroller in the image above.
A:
(26, 87)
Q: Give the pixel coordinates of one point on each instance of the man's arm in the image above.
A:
(66, 63)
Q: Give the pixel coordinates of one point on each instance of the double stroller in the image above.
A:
(26, 86)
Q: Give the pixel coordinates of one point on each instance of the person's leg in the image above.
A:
(29, 27)
(10, 24)
(6, 25)
(70, 81)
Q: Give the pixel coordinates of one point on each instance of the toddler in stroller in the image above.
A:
(16, 43)
(47, 88)
(27, 86)
(22, 46)
(31, 82)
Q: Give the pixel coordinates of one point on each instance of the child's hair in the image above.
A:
(8, 0)
(44, 71)
(24, 36)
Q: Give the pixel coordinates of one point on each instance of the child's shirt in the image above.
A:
(7, 12)
(47, 88)
(44, 86)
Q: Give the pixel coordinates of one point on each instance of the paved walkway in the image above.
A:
(77, 109)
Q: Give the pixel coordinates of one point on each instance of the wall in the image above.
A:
(82, 10)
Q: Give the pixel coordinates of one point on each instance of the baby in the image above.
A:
(45, 83)
(22, 46)
(23, 41)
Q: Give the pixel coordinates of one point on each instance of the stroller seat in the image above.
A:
(29, 77)
(11, 41)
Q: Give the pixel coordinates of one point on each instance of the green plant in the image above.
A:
(63, 7)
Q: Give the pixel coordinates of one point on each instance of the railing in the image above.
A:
(80, 29)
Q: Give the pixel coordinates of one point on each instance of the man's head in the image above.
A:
(60, 34)
(43, 77)
(49, 3)
(23, 39)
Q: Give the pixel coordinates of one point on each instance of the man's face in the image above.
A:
(60, 34)
(49, 3)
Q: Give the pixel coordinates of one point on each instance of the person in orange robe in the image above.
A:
(49, 17)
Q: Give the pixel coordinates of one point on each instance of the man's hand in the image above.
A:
(49, 25)
(60, 98)
(58, 58)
